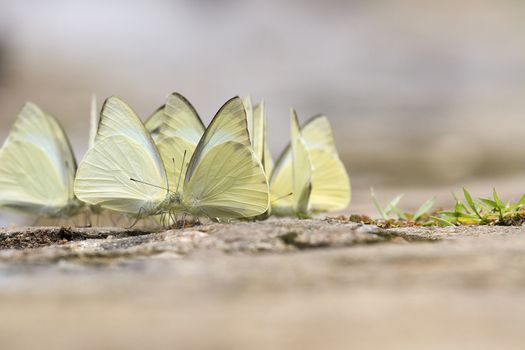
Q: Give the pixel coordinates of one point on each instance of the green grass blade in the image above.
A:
(377, 205)
(442, 221)
(424, 208)
(490, 203)
(522, 200)
(392, 206)
(471, 203)
(496, 199)
(400, 214)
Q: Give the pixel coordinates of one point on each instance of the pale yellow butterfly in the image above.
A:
(328, 179)
(38, 166)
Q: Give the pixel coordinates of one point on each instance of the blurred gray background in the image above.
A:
(421, 93)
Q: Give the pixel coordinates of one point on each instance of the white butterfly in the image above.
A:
(125, 172)
(38, 167)
(310, 169)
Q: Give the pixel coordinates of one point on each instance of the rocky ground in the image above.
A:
(277, 284)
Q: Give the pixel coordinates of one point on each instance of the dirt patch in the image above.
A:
(35, 237)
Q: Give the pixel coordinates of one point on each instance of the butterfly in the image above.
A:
(126, 172)
(309, 169)
(38, 166)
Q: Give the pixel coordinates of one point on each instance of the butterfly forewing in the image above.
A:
(301, 169)
(258, 131)
(182, 120)
(317, 134)
(229, 124)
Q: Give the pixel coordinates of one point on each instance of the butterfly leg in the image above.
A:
(163, 220)
(137, 219)
(173, 218)
(184, 221)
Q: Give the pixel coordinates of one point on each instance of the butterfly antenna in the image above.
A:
(181, 168)
(152, 185)
(173, 160)
(282, 197)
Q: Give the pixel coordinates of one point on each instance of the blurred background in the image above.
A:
(424, 96)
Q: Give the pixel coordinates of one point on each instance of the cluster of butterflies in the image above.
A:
(171, 164)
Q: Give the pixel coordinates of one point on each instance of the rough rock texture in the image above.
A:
(278, 284)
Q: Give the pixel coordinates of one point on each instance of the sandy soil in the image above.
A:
(278, 284)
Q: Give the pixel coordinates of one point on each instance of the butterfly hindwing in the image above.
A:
(104, 177)
(228, 183)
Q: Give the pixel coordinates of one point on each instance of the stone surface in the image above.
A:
(277, 284)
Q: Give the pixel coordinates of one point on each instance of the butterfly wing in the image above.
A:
(301, 169)
(179, 135)
(267, 160)
(224, 177)
(123, 150)
(181, 119)
(317, 134)
(154, 123)
(38, 165)
(330, 182)
(281, 185)
(255, 125)
(229, 124)
(248, 107)
(93, 121)
(29, 181)
(104, 177)
(258, 131)
(228, 183)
